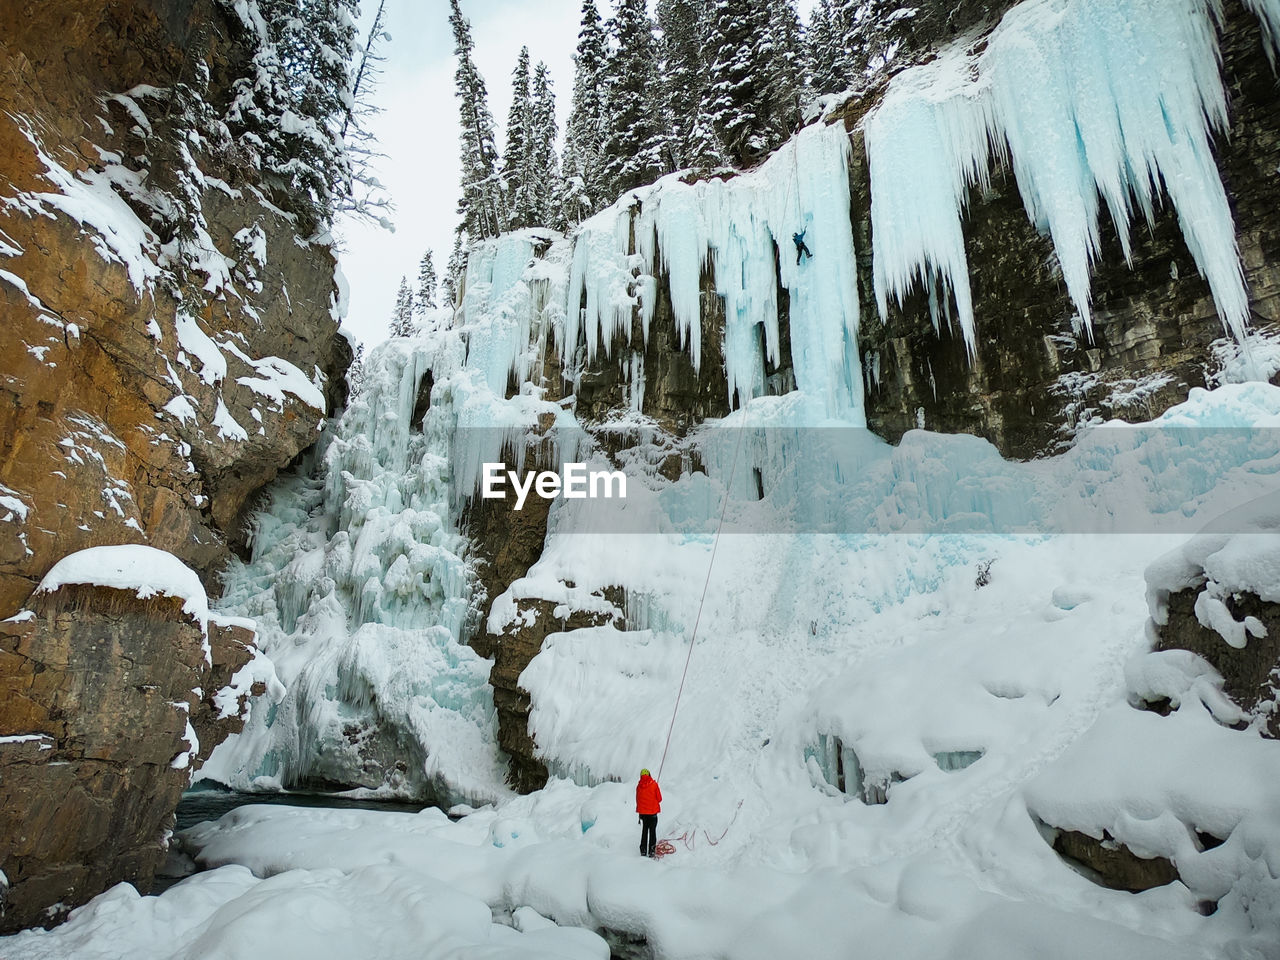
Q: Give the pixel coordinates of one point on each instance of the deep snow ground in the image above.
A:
(1029, 669)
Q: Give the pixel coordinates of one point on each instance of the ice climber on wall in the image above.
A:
(648, 803)
(802, 250)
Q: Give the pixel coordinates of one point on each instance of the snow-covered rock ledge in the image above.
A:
(119, 682)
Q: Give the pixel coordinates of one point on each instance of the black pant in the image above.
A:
(648, 834)
(801, 249)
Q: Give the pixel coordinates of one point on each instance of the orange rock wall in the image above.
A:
(167, 344)
(90, 354)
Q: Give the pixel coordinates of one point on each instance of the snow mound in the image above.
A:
(379, 910)
(1153, 783)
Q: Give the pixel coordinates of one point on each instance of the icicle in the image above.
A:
(682, 233)
(1268, 11)
(824, 289)
(1090, 98)
(743, 227)
(601, 273)
(926, 144)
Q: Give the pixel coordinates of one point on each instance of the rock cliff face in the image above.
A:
(168, 344)
(151, 384)
(1036, 377)
(102, 686)
(674, 394)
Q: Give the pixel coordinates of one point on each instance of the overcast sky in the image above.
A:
(418, 130)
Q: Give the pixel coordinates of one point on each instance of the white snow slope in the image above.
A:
(872, 753)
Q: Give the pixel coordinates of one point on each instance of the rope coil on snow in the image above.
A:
(689, 837)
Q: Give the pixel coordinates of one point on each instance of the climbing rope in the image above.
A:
(715, 545)
(690, 837)
(793, 182)
(795, 173)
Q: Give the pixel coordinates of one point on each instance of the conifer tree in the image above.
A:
(873, 32)
(739, 78)
(292, 109)
(544, 166)
(755, 76)
(827, 61)
(517, 171)
(367, 198)
(480, 206)
(633, 137)
(685, 27)
(402, 314)
(355, 372)
(583, 187)
(787, 64)
(426, 298)
(702, 148)
(324, 81)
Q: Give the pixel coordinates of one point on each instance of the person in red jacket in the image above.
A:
(648, 803)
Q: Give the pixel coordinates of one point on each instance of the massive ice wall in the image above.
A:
(1090, 103)
(743, 229)
(1087, 100)
(361, 583)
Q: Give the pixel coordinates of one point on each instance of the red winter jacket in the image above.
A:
(648, 796)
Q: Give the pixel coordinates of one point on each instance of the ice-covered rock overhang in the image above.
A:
(1088, 102)
(743, 229)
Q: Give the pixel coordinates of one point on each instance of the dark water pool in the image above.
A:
(210, 803)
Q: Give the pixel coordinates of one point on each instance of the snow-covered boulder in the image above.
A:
(1218, 596)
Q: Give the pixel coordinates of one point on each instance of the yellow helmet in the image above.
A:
(644, 772)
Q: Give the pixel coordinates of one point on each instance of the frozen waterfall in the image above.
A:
(361, 581)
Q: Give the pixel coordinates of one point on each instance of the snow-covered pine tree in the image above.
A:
(402, 314)
(703, 149)
(875, 32)
(685, 29)
(289, 113)
(319, 45)
(426, 298)
(634, 137)
(583, 187)
(544, 166)
(455, 268)
(788, 66)
(481, 204)
(366, 69)
(828, 65)
(367, 199)
(355, 372)
(517, 173)
(739, 79)
(755, 76)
